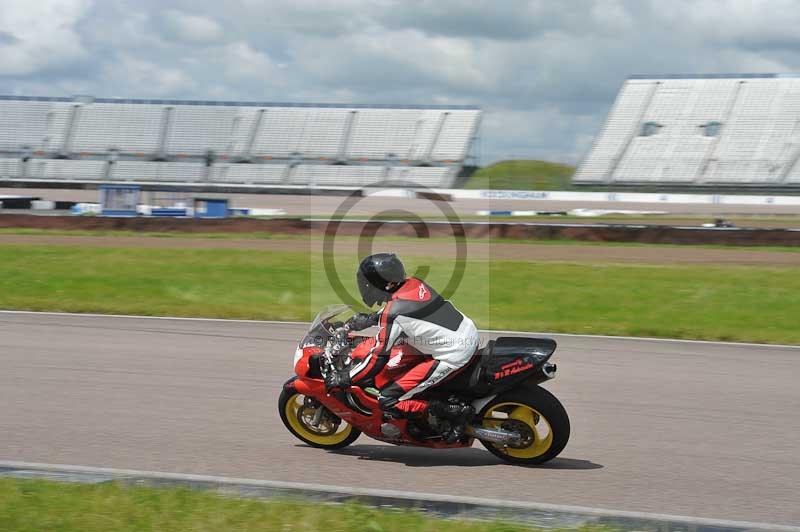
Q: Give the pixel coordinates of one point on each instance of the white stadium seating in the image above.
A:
(194, 129)
(339, 175)
(249, 174)
(714, 130)
(122, 126)
(433, 176)
(301, 130)
(134, 171)
(63, 169)
(9, 167)
(318, 175)
(233, 142)
(23, 125)
(155, 171)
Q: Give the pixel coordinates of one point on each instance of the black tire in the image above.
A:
(289, 393)
(549, 407)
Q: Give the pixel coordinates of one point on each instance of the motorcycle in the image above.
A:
(515, 418)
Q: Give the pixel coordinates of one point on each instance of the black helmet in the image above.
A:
(374, 275)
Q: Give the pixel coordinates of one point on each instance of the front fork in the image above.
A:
(336, 404)
(319, 411)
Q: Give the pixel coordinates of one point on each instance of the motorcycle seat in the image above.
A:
(482, 356)
(507, 348)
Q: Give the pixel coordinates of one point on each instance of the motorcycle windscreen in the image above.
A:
(326, 314)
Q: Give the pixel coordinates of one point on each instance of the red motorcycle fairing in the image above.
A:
(304, 367)
(357, 407)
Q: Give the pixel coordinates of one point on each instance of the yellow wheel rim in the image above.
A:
(539, 434)
(300, 416)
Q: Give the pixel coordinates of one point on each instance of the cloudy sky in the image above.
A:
(545, 72)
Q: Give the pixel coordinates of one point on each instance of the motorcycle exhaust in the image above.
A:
(545, 372)
(502, 437)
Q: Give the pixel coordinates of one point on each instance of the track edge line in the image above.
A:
(489, 331)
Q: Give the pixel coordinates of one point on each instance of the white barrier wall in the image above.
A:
(626, 197)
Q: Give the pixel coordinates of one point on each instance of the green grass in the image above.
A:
(523, 175)
(732, 303)
(740, 303)
(185, 282)
(35, 506)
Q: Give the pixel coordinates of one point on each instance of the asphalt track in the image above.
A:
(688, 428)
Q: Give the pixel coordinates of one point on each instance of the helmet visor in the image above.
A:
(370, 294)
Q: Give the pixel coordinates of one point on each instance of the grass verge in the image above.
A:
(35, 505)
(737, 303)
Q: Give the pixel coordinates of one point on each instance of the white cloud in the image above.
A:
(132, 76)
(192, 28)
(39, 34)
(397, 60)
(612, 16)
(240, 60)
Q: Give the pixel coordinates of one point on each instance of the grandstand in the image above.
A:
(86, 140)
(711, 131)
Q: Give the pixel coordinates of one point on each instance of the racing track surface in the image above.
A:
(698, 429)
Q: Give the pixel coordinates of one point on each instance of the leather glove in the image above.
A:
(362, 321)
(337, 380)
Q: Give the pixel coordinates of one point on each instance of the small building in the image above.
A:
(119, 200)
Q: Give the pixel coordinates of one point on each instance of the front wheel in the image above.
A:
(534, 413)
(318, 428)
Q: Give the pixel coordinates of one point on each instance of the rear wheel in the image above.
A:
(312, 423)
(534, 413)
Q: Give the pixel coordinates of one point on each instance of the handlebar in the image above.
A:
(339, 344)
(340, 336)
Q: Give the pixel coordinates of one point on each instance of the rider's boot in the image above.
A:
(457, 414)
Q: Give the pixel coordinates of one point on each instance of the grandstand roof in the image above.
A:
(76, 99)
(748, 75)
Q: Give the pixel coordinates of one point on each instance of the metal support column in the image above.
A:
(163, 136)
(711, 151)
(344, 145)
(609, 177)
(437, 134)
(295, 159)
(469, 155)
(251, 139)
(391, 162)
(69, 131)
(792, 162)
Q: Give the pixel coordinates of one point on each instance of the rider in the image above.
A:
(427, 322)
